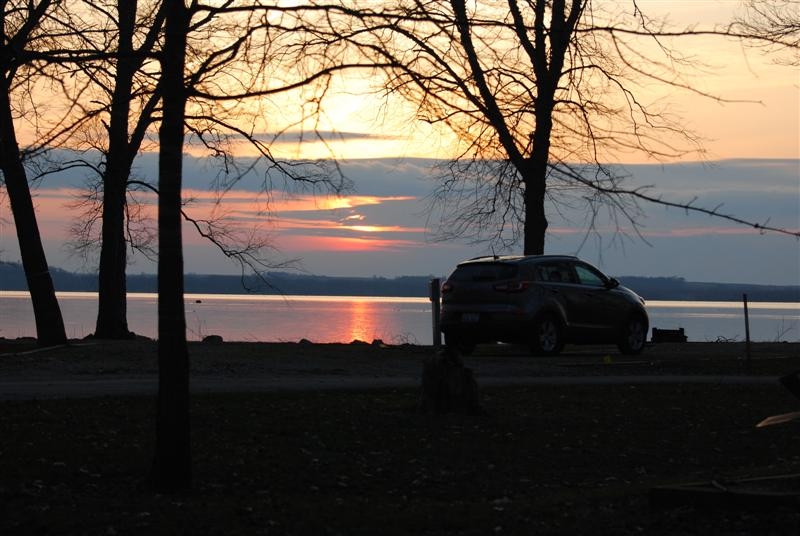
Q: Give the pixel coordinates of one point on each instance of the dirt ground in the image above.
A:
(543, 459)
(139, 357)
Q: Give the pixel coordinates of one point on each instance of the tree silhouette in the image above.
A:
(172, 465)
(22, 35)
(123, 145)
(179, 87)
(230, 74)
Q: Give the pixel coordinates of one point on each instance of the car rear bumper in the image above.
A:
(487, 326)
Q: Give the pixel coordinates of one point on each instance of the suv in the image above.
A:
(544, 301)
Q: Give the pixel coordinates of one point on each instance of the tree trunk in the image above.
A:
(112, 318)
(535, 217)
(172, 467)
(548, 69)
(534, 175)
(112, 315)
(49, 322)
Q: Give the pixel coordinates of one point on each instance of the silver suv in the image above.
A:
(544, 301)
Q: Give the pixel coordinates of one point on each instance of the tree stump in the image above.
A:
(448, 386)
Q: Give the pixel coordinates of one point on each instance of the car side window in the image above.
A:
(555, 272)
(589, 277)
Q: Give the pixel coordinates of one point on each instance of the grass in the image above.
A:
(544, 460)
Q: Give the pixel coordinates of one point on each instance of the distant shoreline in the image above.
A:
(12, 278)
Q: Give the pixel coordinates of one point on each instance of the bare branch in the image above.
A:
(532, 89)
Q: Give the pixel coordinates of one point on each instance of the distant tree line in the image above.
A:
(677, 288)
(651, 288)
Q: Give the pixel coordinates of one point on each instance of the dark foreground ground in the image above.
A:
(542, 460)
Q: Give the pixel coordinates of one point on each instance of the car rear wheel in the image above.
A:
(548, 336)
(634, 336)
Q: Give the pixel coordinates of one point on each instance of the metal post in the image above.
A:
(746, 331)
(434, 293)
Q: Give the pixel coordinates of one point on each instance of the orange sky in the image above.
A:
(757, 116)
(386, 231)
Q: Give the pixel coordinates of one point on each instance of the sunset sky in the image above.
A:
(384, 226)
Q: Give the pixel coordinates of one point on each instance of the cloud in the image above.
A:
(719, 177)
(384, 221)
(702, 231)
(281, 204)
(324, 225)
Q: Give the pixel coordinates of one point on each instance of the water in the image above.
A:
(344, 319)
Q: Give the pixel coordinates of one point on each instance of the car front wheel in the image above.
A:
(634, 336)
(547, 336)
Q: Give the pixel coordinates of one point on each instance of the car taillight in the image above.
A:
(513, 286)
(447, 287)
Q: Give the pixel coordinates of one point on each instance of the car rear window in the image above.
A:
(484, 272)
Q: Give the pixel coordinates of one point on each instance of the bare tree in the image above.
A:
(172, 465)
(109, 106)
(182, 88)
(22, 32)
(123, 145)
(235, 50)
(540, 95)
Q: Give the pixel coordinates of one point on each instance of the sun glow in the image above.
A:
(372, 228)
(346, 244)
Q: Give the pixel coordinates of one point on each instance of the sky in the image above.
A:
(383, 226)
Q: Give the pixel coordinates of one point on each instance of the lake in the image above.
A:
(324, 319)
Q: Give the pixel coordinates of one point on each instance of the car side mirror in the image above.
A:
(612, 283)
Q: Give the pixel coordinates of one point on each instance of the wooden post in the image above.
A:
(434, 292)
(746, 331)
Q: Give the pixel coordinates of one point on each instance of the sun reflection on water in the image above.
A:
(360, 324)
